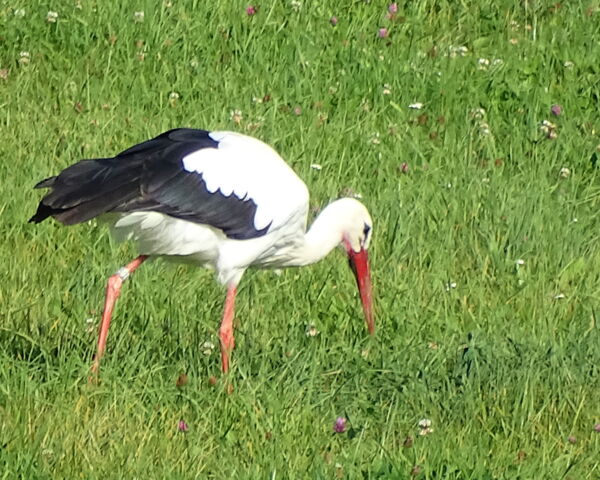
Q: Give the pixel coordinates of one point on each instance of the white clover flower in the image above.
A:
(416, 106)
(568, 64)
(236, 116)
(375, 138)
(138, 17)
(559, 296)
(311, 330)
(24, 58)
(425, 427)
(484, 63)
(450, 286)
(478, 113)
(90, 324)
(565, 172)
(173, 96)
(194, 63)
(484, 128)
(457, 51)
(387, 89)
(19, 12)
(316, 166)
(548, 128)
(548, 124)
(424, 423)
(207, 348)
(520, 262)
(296, 5)
(51, 17)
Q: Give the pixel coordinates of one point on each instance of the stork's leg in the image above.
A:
(113, 289)
(226, 330)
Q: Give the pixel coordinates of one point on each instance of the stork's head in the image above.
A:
(356, 238)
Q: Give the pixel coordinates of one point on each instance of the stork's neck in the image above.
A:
(324, 235)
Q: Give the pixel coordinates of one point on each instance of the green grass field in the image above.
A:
(485, 253)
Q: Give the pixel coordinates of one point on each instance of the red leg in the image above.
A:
(113, 289)
(226, 330)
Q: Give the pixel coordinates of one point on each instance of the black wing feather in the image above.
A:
(147, 177)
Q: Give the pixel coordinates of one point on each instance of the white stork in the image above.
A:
(220, 200)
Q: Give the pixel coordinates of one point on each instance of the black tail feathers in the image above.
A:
(87, 189)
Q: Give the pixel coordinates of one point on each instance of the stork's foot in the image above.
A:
(213, 381)
(94, 371)
(93, 376)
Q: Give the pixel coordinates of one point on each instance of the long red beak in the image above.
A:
(359, 263)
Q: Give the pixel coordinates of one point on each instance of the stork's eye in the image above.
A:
(366, 231)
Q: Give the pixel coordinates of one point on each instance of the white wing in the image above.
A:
(249, 168)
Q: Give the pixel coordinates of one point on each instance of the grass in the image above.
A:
(485, 347)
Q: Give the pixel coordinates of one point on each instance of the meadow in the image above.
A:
(471, 130)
